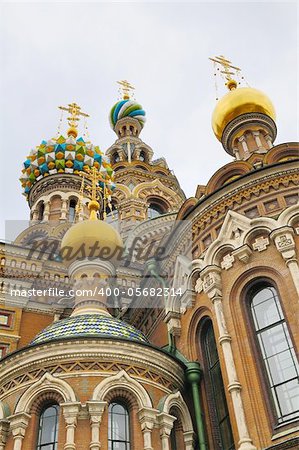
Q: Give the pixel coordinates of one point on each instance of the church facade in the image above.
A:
(132, 318)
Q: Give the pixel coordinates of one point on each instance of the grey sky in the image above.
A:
(56, 53)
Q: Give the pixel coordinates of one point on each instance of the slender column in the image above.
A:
(46, 211)
(63, 215)
(70, 414)
(4, 429)
(212, 286)
(242, 139)
(166, 422)
(189, 440)
(95, 410)
(18, 424)
(147, 418)
(285, 244)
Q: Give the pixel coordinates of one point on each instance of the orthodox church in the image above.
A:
(132, 318)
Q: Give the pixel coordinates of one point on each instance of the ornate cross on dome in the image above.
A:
(228, 70)
(75, 112)
(126, 88)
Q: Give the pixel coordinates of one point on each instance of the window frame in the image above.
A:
(204, 325)
(252, 289)
(54, 444)
(128, 441)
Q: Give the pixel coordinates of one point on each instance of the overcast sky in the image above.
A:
(56, 53)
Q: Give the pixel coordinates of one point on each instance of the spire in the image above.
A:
(75, 112)
(228, 70)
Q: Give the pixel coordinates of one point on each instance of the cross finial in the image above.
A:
(228, 70)
(126, 88)
(75, 112)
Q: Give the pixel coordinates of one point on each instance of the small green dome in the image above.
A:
(89, 325)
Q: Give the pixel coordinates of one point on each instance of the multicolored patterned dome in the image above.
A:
(89, 325)
(125, 108)
(64, 155)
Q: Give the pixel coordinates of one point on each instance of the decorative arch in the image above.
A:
(231, 170)
(186, 207)
(124, 382)
(176, 400)
(47, 383)
(282, 152)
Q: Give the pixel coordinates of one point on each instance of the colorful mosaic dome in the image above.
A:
(64, 155)
(125, 108)
(93, 325)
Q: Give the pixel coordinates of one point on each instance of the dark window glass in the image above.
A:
(72, 210)
(41, 211)
(154, 210)
(48, 429)
(173, 445)
(119, 429)
(217, 393)
(277, 352)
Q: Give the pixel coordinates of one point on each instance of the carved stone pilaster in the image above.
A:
(165, 422)
(285, 244)
(147, 419)
(189, 439)
(173, 321)
(4, 429)
(70, 414)
(95, 410)
(18, 425)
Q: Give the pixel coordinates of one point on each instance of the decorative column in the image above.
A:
(18, 424)
(70, 414)
(46, 211)
(285, 244)
(212, 286)
(63, 215)
(4, 429)
(189, 440)
(166, 422)
(95, 410)
(147, 418)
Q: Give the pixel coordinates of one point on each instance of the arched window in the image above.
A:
(72, 210)
(142, 156)
(154, 210)
(41, 211)
(172, 438)
(277, 351)
(115, 158)
(223, 436)
(48, 428)
(119, 427)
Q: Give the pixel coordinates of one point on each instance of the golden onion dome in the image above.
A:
(240, 101)
(91, 238)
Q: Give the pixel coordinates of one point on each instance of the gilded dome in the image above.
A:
(89, 325)
(82, 237)
(240, 101)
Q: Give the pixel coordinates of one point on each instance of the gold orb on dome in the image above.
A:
(240, 101)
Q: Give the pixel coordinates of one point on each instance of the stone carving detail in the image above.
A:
(227, 261)
(261, 243)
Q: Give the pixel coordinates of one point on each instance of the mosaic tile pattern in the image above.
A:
(94, 325)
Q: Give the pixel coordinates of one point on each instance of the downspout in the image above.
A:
(193, 376)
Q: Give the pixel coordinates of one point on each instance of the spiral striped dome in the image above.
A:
(127, 108)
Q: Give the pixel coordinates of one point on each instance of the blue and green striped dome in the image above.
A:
(89, 325)
(127, 108)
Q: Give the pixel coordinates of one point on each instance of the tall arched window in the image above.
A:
(277, 351)
(41, 211)
(219, 411)
(172, 438)
(72, 210)
(119, 427)
(48, 428)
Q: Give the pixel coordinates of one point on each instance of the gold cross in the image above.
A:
(126, 88)
(75, 112)
(228, 68)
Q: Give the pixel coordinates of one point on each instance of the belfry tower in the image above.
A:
(145, 188)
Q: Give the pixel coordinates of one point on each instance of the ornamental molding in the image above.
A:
(122, 381)
(21, 370)
(176, 400)
(46, 383)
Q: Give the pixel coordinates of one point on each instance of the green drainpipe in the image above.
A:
(193, 375)
(154, 271)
